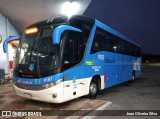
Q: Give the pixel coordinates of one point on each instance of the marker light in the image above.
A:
(32, 30)
(48, 85)
(70, 8)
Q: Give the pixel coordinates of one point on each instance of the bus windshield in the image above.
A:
(36, 55)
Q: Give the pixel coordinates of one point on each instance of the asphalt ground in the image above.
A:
(142, 94)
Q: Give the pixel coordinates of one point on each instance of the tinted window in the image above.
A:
(104, 41)
(46, 32)
(100, 41)
(73, 50)
(84, 26)
(113, 43)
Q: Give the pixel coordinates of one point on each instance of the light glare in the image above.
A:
(33, 30)
(70, 8)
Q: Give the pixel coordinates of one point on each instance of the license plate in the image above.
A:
(28, 95)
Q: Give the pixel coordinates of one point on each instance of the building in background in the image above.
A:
(7, 59)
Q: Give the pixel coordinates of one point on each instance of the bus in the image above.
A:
(62, 58)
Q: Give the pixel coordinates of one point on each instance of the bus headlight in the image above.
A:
(48, 85)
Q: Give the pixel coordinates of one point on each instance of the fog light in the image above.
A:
(54, 95)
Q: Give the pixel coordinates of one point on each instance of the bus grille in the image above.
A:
(29, 87)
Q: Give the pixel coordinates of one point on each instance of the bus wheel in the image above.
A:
(93, 89)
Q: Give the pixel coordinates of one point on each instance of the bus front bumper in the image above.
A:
(52, 95)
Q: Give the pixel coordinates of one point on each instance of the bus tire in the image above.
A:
(93, 90)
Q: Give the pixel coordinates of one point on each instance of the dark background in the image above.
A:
(139, 20)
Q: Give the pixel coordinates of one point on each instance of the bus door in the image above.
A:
(74, 82)
(74, 70)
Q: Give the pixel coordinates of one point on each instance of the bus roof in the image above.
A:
(104, 27)
(50, 21)
(65, 19)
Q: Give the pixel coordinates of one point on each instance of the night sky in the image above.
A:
(139, 20)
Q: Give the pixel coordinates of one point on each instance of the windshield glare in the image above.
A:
(36, 54)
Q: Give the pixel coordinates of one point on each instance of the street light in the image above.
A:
(70, 8)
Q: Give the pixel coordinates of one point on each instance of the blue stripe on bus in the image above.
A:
(40, 81)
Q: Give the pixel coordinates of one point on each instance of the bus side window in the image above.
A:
(86, 32)
(122, 47)
(113, 43)
(100, 41)
(72, 49)
(85, 36)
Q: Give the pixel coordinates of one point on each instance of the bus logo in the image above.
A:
(6, 113)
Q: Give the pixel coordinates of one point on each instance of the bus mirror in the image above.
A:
(59, 30)
(5, 43)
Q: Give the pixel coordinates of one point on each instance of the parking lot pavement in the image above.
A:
(142, 94)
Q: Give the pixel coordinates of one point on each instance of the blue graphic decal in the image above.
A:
(40, 81)
(31, 67)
